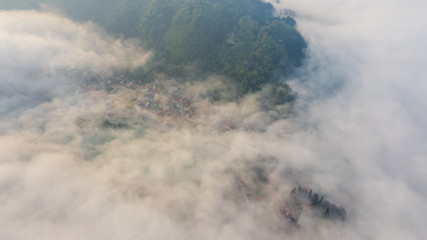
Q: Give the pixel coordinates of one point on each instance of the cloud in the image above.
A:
(366, 67)
(356, 133)
(44, 55)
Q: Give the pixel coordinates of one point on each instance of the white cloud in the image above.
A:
(44, 55)
(357, 135)
(372, 123)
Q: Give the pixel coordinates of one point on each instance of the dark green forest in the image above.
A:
(238, 38)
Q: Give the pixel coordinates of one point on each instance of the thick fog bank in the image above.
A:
(364, 85)
(161, 161)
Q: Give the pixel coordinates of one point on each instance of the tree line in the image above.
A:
(238, 38)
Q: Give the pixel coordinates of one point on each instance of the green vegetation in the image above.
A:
(238, 38)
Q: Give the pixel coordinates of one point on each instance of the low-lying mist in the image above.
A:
(89, 154)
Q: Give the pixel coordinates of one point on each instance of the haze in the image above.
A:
(355, 132)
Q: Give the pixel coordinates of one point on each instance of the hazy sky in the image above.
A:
(357, 133)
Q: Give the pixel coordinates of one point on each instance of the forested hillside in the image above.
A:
(238, 38)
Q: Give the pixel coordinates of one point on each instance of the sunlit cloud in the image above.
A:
(163, 161)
